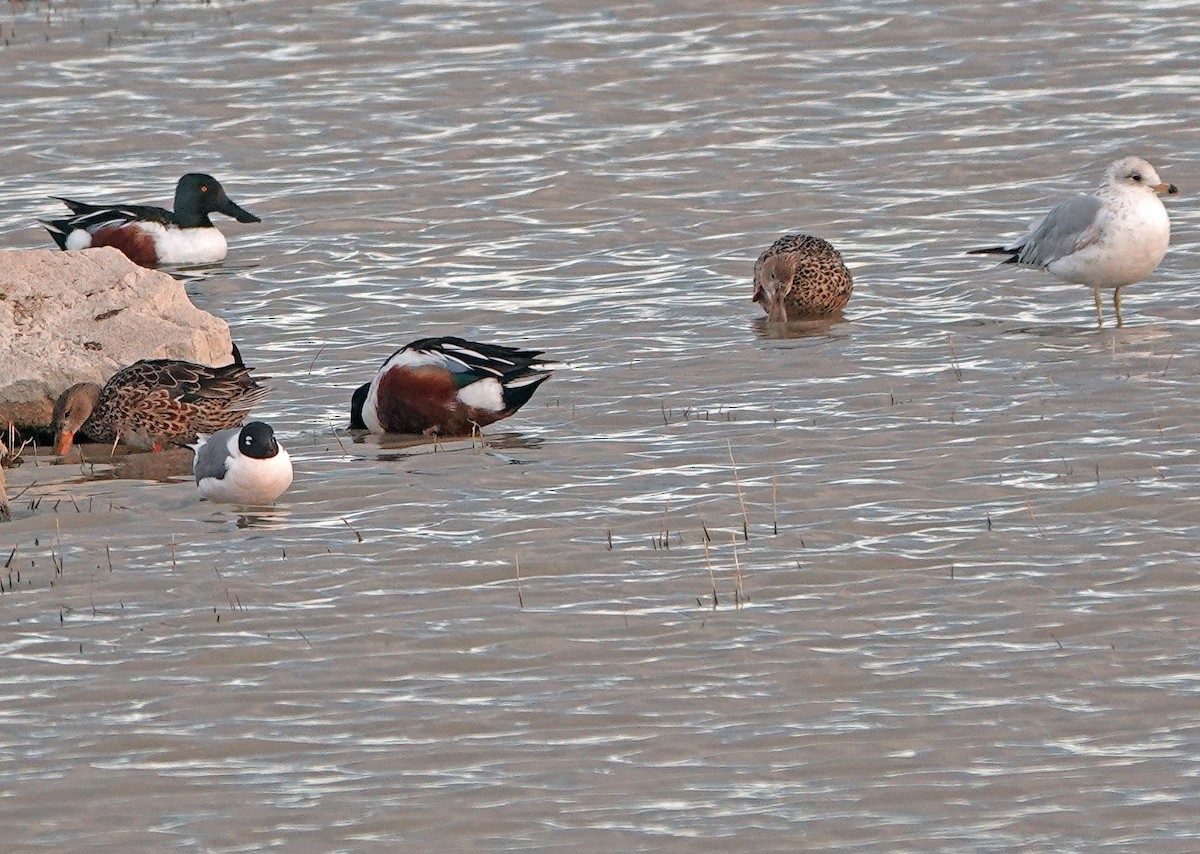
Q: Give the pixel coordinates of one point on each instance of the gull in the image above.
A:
(1110, 239)
(244, 465)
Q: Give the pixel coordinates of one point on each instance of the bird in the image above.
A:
(152, 236)
(446, 386)
(801, 276)
(1109, 239)
(241, 465)
(156, 402)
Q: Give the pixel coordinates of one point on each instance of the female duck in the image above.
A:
(156, 402)
(801, 276)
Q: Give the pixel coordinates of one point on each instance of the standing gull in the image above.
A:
(1110, 239)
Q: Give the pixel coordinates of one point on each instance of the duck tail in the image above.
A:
(519, 390)
(58, 229)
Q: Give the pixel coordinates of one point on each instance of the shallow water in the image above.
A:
(952, 539)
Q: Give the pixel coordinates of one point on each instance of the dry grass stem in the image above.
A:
(774, 504)
(664, 536)
(739, 590)
(352, 529)
(22, 492)
(711, 576)
(1029, 507)
(61, 557)
(316, 356)
(520, 598)
(338, 439)
(741, 499)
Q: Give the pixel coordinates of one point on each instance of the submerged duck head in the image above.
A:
(357, 401)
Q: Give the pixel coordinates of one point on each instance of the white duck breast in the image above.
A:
(187, 245)
(225, 473)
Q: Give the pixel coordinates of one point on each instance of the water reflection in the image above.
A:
(277, 519)
(194, 275)
(108, 462)
(800, 328)
(421, 445)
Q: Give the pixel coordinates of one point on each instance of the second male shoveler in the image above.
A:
(446, 386)
(153, 236)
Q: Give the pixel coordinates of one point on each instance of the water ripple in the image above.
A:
(718, 579)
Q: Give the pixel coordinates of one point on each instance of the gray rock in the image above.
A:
(68, 317)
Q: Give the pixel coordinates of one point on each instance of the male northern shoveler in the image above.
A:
(242, 465)
(152, 236)
(446, 386)
(1110, 239)
(801, 276)
(155, 402)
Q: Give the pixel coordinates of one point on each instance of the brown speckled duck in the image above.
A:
(801, 276)
(157, 402)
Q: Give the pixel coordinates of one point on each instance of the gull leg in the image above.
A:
(1099, 314)
(1117, 306)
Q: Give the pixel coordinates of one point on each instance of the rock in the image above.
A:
(68, 317)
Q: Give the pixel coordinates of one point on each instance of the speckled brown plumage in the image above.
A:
(156, 402)
(801, 276)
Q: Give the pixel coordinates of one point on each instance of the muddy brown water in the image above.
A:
(953, 539)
